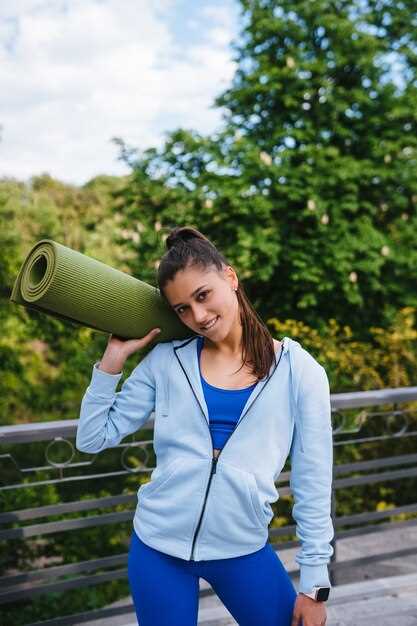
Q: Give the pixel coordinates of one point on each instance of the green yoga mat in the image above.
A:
(73, 287)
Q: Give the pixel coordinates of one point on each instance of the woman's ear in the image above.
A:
(232, 277)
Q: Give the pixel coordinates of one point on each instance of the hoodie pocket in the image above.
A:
(254, 491)
(163, 476)
(170, 504)
(234, 504)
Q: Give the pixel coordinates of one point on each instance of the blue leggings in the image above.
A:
(255, 588)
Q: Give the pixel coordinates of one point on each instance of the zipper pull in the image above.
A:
(213, 466)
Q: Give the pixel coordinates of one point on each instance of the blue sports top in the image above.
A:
(224, 406)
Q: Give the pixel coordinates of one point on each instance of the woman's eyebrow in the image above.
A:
(174, 306)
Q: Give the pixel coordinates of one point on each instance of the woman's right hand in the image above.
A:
(118, 350)
(126, 347)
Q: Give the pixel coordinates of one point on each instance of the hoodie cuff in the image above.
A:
(313, 576)
(102, 382)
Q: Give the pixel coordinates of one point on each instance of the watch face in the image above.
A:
(323, 594)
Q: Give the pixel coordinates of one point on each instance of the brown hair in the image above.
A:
(186, 247)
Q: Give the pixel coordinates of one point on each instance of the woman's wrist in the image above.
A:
(111, 364)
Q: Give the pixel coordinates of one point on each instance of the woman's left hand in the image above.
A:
(311, 613)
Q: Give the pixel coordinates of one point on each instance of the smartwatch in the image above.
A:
(319, 594)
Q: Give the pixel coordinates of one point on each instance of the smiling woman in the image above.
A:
(218, 307)
(230, 404)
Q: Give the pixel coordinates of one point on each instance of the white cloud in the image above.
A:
(74, 74)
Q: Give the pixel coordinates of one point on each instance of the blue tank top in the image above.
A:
(224, 406)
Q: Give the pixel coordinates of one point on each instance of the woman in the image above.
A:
(230, 404)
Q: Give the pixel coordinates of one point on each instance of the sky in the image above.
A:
(76, 73)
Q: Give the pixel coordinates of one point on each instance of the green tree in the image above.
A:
(310, 186)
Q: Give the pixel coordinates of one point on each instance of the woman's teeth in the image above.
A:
(211, 324)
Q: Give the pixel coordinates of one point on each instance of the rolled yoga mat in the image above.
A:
(73, 287)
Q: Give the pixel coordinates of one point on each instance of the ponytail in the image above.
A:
(187, 247)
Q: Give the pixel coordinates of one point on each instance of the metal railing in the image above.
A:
(347, 430)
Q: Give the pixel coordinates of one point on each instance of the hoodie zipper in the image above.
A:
(197, 530)
(214, 460)
(213, 465)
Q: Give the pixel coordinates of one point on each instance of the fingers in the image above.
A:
(151, 335)
(147, 338)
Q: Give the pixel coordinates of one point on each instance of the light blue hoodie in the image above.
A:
(199, 508)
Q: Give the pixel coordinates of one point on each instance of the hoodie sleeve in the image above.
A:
(311, 476)
(107, 416)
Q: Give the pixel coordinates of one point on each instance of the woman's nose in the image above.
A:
(199, 314)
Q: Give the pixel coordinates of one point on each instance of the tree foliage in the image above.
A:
(310, 186)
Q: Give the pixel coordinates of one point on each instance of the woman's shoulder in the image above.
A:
(302, 358)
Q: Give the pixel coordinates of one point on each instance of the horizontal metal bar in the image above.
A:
(52, 468)
(44, 431)
(65, 507)
(374, 558)
(360, 518)
(402, 459)
(375, 397)
(373, 528)
(344, 468)
(63, 570)
(363, 560)
(339, 483)
(37, 431)
(369, 479)
(66, 525)
(355, 440)
(8, 595)
(68, 479)
(290, 529)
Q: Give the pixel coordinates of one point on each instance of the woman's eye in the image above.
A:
(202, 293)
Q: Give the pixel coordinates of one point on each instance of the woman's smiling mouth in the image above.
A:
(211, 324)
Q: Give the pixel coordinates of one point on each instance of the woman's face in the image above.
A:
(201, 296)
